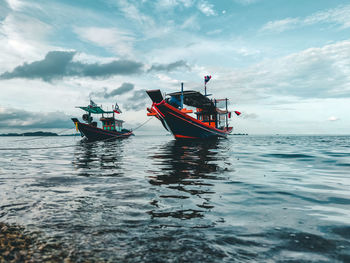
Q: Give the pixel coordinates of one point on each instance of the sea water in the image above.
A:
(154, 199)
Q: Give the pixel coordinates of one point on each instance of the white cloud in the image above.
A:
(23, 38)
(333, 118)
(15, 5)
(191, 23)
(313, 73)
(132, 12)
(113, 39)
(338, 16)
(206, 8)
(246, 2)
(168, 4)
(281, 25)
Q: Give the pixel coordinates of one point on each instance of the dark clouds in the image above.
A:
(124, 88)
(60, 64)
(169, 67)
(54, 65)
(137, 101)
(4, 10)
(21, 119)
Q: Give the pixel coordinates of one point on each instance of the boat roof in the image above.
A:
(194, 98)
(94, 109)
(110, 119)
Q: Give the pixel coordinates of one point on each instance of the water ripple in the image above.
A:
(154, 199)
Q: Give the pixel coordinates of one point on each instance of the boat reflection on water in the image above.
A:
(185, 174)
(99, 158)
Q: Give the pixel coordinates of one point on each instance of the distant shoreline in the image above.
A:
(38, 133)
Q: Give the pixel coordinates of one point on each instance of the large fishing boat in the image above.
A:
(111, 128)
(209, 121)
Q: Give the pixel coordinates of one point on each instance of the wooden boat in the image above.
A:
(209, 121)
(111, 128)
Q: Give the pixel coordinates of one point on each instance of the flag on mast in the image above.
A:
(117, 109)
(206, 79)
(92, 104)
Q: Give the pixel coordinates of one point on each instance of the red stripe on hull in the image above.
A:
(177, 136)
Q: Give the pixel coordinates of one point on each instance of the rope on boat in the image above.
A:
(70, 145)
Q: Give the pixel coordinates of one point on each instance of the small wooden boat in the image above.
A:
(209, 121)
(111, 128)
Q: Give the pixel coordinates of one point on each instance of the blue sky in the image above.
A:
(284, 64)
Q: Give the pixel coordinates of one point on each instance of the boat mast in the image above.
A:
(182, 95)
(226, 114)
(217, 115)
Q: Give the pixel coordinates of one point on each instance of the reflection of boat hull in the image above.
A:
(184, 126)
(93, 133)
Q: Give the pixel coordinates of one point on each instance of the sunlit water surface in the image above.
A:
(154, 199)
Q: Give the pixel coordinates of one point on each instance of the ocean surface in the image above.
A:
(154, 199)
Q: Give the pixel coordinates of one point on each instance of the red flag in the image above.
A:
(116, 109)
(207, 78)
(237, 112)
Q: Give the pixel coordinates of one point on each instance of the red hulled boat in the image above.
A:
(209, 121)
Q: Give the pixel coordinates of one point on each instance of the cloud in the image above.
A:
(191, 23)
(168, 4)
(312, 73)
(246, 115)
(16, 5)
(281, 25)
(118, 41)
(21, 119)
(246, 2)
(60, 64)
(54, 65)
(22, 37)
(136, 101)
(333, 118)
(337, 16)
(4, 10)
(132, 12)
(124, 88)
(169, 67)
(206, 8)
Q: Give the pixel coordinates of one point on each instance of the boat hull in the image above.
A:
(183, 126)
(97, 134)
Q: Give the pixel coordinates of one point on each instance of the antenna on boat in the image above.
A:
(182, 95)
(206, 79)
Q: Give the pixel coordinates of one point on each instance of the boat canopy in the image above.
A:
(194, 99)
(94, 110)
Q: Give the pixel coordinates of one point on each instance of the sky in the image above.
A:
(285, 64)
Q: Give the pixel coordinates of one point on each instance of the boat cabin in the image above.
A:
(207, 110)
(111, 124)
